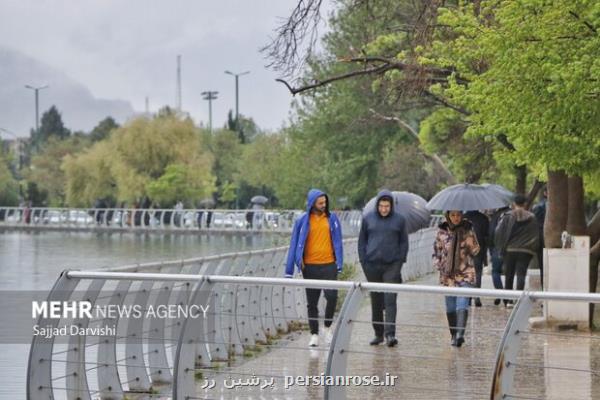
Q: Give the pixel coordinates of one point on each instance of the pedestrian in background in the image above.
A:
(539, 210)
(454, 248)
(481, 227)
(517, 238)
(382, 249)
(495, 254)
(316, 249)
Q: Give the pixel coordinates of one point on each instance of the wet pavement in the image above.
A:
(551, 365)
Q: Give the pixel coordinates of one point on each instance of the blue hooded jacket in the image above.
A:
(300, 233)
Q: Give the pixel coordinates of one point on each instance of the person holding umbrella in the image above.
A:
(454, 248)
(382, 249)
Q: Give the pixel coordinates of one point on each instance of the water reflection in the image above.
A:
(34, 260)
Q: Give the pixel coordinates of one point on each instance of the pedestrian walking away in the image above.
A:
(382, 250)
(495, 253)
(453, 251)
(539, 210)
(517, 238)
(316, 250)
(481, 226)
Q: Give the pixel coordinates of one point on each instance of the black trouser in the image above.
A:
(387, 273)
(478, 261)
(518, 262)
(325, 272)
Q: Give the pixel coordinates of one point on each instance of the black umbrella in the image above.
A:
(259, 200)
(467, 197)
(410, 206)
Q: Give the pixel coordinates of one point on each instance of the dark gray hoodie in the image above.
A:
(383, 240)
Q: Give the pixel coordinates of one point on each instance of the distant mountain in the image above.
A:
(79, 108)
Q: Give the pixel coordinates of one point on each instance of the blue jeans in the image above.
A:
(455, 303)
(496, 268)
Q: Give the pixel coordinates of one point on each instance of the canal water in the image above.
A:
(33, 261)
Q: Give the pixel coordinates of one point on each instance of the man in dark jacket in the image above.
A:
(495, 254)
(382, 249)
(517, 238)
(481, 226)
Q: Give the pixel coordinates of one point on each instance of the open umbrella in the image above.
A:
(467, 197)
(259, 200)
(502, 191)
(410, 206)
(207, 202)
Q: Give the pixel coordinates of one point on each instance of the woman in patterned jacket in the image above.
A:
(453, 251)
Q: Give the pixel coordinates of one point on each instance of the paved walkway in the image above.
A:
(426, 365)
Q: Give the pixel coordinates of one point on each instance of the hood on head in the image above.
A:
(384, 194)
(312, 196)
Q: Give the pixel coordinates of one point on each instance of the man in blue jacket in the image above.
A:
(316, 250)
(382, 249)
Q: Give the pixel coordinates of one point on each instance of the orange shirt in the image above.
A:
(319, 247)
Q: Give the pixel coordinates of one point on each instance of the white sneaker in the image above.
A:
(314, 341)
(328, 332)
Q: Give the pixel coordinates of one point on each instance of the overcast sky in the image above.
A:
(127, 49)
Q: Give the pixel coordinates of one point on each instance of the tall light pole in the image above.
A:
(237, 97)
(210, 96)
(37, 104)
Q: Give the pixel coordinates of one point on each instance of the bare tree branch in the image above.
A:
(368, 71)
(432, 157)
(443, 102)
(433, 75)
(297, 34)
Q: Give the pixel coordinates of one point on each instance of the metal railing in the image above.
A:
(240, 321)
(173, 220)
(249, 305)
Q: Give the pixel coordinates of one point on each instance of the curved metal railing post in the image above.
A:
(337, 357)
(508, 348)
(109, 384)
(39, 370)
(76, 375)
(191, 338)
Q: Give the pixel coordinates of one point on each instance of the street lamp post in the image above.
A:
(37, 104)
(237, 98)
(210, 96)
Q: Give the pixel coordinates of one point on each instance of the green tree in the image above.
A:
(144, 157)
(9, 187)
(45, 167)
(246, 128)
(51, 126)
(103, 129)
(528, 70)
(226, 149)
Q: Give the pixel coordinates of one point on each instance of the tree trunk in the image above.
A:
(533, 192)
(557, 208)
(521, 184)
(576, 213)
(594, 228)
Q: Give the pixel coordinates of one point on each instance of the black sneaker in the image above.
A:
(391, 341)
(376, 340)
